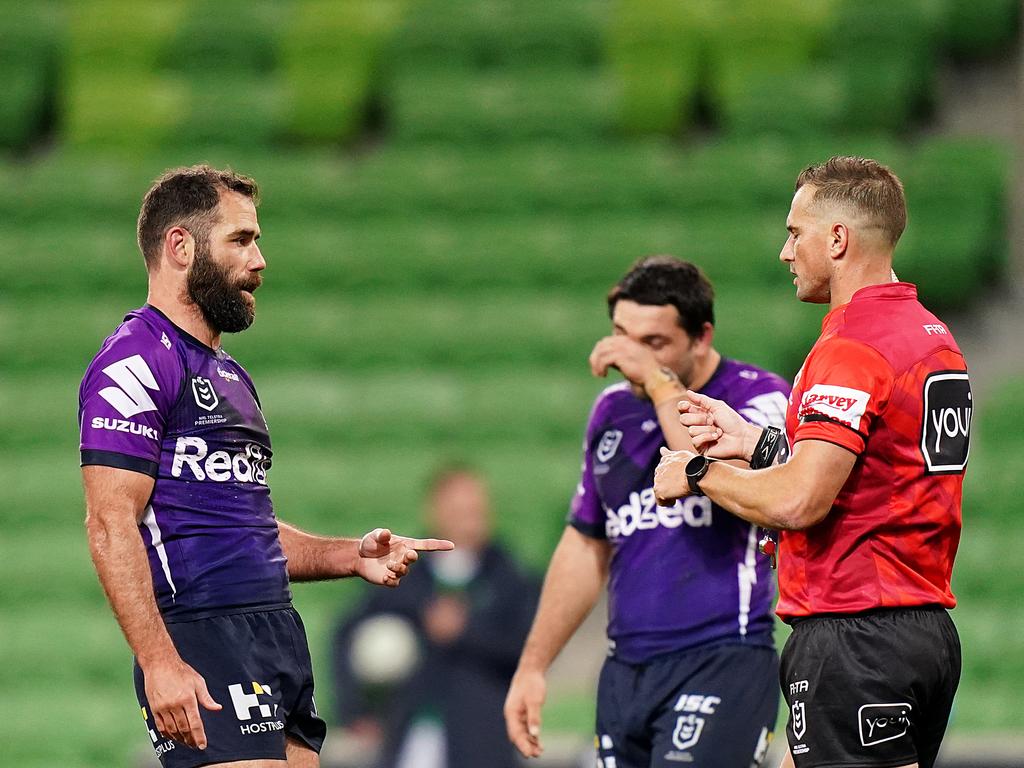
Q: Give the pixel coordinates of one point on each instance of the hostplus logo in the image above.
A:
(261, 701)
(160, 743)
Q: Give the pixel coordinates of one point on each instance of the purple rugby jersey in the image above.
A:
(158, 401)
(685, 575)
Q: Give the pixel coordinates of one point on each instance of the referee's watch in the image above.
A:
(695, 470)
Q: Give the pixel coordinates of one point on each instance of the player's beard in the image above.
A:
(222, 301)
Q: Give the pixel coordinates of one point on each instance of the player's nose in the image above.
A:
(257, 263)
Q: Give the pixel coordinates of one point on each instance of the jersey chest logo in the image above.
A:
(609, 445)
(204, 393)
(946, 429)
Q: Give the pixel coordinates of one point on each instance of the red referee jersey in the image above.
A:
(886, 381)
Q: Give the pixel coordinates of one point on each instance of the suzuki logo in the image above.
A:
(133, 378)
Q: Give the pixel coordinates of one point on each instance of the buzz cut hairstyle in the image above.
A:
(662, 280)
(866, 186)
(186, 197)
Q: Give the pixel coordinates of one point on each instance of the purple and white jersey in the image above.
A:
(158, 401)
(684, 575)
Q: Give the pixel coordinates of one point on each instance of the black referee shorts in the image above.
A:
(872, 689)
(256, 666)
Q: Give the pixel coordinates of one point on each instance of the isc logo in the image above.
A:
(642, 513)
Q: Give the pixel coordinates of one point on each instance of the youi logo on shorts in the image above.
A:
(642, 513)
(883, 722)
(248, 466)
(261, 700)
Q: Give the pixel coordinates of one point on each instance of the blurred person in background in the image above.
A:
(434, 698)
(175, 455)
(691, 674)
(868, 503)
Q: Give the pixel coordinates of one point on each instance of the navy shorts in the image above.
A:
(703, 708)
(256, 666)
(872, 689)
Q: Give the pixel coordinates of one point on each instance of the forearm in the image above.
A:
(317, 558)
(572, 586)
(790, 496)
(763, 497)
(120, 559)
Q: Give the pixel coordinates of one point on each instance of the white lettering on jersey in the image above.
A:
(248, 466)
(840, 404)
(128, 427)
(642, 513)
(767, 410)
(133, 378)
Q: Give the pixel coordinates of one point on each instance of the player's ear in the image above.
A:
(702, 342)
(838, 240)
(179, 246)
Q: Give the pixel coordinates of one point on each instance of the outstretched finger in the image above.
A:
(431, 545)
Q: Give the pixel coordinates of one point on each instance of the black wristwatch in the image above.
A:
(695, 470)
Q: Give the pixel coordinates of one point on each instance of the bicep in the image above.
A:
(822, 468)
(112, 493)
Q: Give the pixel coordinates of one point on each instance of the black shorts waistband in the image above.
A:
(871, 612)
(226, 611)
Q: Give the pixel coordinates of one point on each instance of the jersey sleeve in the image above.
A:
(767, 406)
(586, 514)
(846, 385)
(126, 396)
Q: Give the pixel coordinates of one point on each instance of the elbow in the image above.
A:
(801, 514)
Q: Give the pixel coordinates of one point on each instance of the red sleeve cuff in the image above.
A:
(831, 432)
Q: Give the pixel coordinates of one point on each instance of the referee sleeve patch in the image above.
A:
(829, 402)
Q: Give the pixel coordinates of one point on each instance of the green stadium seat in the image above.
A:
(501, 105)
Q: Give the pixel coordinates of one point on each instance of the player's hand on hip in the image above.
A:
(717, 430)
(522, 711)
(175, 692)
(670, 483)
(634, 360)
(384, 557)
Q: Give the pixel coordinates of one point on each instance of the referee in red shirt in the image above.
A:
(864, 486)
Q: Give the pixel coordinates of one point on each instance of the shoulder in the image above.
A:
(759, 395)
(611, 401)
(138, 349)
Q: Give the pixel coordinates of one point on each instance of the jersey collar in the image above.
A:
(879, 292)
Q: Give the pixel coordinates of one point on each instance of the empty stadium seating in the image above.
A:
(449, 189)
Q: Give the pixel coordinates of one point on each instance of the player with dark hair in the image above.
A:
(175, 454)
(868, 503)
(691, 671)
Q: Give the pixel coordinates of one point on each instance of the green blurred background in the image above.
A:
(449, 188)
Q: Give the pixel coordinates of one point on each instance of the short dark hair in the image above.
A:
(186, 197)
(867, 185)
(661, 280)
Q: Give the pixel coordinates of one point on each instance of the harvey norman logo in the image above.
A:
(834, 403)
